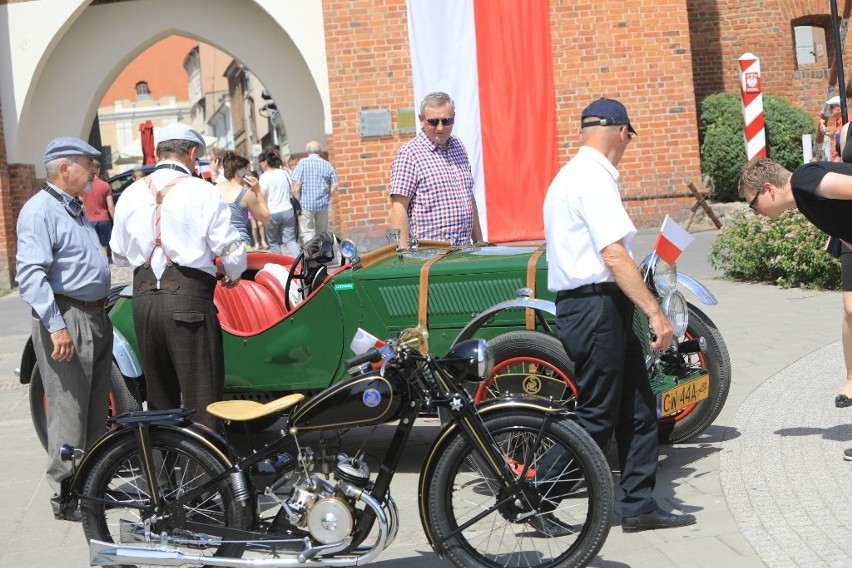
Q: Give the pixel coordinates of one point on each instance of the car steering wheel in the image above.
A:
(302, 275)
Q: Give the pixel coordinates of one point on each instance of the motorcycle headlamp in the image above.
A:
(469, 360)
(674, 306)
(665, 277)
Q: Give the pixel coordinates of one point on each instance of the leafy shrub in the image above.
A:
(723, 152)
(787, 251)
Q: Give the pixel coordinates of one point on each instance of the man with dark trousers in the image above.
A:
(598, 286)
(64, 277)
(171, 226)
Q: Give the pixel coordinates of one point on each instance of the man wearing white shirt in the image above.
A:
(598, 287)
(171, 227)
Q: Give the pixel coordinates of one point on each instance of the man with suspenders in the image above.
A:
(171, 226)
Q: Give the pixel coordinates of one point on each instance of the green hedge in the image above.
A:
(787, 251)
(723, 151)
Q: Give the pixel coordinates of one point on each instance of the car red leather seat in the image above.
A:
(247, 308)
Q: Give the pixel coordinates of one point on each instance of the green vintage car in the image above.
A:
(274, 345)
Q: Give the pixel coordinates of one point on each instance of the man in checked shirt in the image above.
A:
(431, 186)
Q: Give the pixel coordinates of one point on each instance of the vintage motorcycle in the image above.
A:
(512, 482)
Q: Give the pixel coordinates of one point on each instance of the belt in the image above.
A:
(588, 289)
(84, 303)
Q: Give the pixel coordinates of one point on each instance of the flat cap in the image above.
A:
(180, 131)
(65, 146)
(605, 112)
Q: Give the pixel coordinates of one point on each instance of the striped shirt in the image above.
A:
(316, 176)
(439, 183)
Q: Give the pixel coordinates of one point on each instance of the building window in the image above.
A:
(812, 41)
(142, 91)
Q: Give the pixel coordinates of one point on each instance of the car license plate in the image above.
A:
(678, 398)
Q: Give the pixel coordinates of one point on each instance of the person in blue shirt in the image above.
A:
(314, 181)
(64, 276)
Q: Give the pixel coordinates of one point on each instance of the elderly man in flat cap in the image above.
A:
(64, 276)
(171, 226)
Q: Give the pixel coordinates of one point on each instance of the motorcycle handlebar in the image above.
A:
(372, 355)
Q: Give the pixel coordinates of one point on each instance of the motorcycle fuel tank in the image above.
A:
(365, 400)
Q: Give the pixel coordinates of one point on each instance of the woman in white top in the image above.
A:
(275, 183)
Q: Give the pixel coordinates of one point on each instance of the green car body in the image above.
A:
(306, 349)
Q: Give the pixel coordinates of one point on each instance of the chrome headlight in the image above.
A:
(665, 277)
(674, 306)
(469, 360)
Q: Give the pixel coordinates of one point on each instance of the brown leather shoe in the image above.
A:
(658, 519)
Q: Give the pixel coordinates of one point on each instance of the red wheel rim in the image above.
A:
(534, 366)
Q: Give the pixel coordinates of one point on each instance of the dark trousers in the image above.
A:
(180, 340)
(615, 393)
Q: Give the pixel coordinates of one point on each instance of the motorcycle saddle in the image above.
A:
(243, 410)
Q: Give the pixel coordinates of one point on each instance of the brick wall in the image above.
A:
(595, 54)
(723, 30)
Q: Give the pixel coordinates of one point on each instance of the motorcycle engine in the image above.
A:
(322, 507)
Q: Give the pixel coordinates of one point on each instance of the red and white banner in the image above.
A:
(495, 61)
(672, 240)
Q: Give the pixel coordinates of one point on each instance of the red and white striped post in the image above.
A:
(750, 85)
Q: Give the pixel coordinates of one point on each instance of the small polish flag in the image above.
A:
(364, 341)
(672, 240)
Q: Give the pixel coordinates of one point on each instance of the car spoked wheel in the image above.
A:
(695, 418)
(529, 363)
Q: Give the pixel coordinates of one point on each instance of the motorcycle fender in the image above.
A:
(697, 288)
(536, 304)
(491, 407)
(213, 441)
(124, 356)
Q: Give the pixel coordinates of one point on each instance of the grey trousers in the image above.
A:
(77, 391)
(281, 233)
(311, 223)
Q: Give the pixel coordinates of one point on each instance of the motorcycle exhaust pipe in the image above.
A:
(109, 554)
(692, 346)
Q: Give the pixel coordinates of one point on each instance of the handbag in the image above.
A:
(297, 207)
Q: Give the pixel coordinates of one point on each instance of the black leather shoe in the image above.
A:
(658, 519)
(547, 525)
(842, 401)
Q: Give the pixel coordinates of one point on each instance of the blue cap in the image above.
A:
(65, 146)
(605, 112)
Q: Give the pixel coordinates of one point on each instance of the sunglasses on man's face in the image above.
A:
(445, 121)
(753, 201)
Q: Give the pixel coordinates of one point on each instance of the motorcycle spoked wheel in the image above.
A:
(461, 489)
(694, 419)
(181, 464)
(535, 356)
(124, 396)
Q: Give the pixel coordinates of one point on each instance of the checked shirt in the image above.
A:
(439, 183)
(316, 176)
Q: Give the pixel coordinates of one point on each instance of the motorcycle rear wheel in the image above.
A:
(462, 489)
(181, 464)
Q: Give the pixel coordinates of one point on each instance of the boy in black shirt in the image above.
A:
(822, 191)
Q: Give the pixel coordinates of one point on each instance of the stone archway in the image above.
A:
(59, 76)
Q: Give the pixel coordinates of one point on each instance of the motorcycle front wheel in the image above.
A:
(123, 492)
(567, 485)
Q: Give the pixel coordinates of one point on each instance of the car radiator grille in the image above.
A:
(468, 298)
